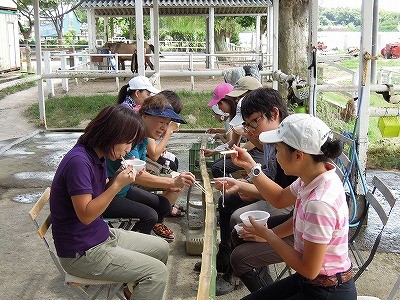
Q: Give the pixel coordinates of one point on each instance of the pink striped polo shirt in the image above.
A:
(321, 216)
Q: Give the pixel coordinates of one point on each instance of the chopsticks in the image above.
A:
(199, 186)
(124, 163)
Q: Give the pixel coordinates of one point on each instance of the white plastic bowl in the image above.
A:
(259, 216)
(137, 164)
(239, 229)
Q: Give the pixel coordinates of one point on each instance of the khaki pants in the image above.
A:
(126, 256)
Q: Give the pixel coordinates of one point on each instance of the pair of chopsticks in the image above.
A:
(199, 186)
(124, 163)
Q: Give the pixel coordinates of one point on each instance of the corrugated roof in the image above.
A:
(179, 7)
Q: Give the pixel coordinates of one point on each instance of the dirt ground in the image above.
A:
(28, 278)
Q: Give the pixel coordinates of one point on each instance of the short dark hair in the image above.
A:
(113, 125)
(157, 101)
(173, 99)
(263, 100)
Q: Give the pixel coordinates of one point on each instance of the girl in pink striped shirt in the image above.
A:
(320, 220)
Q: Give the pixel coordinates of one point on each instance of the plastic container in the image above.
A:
(194, 157)
(239, 229)
(136, 163)
(389, 126)
(259, 216)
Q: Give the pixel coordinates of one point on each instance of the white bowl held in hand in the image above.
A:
(259, 216)
(137, 164)
(239, 229)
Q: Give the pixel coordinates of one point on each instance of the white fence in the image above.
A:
(84, 65)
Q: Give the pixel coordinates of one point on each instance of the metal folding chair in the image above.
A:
(383, 205)
(82, 286)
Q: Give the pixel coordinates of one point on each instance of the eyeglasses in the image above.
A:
(252, 124)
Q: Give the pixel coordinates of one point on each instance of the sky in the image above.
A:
(389, 5)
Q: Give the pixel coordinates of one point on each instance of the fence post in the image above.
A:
(63, 59)
(47, 70)
(191, 69)
(380, 76)
(354, 81)
(76, 64)
(116, 69)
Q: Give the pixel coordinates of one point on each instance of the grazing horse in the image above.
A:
(131, 49)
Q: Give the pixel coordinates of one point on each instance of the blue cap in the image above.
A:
(167, 112)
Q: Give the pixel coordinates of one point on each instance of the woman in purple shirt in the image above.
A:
(85, 245)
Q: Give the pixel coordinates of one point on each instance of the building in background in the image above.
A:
(70, 23)
(9, 51)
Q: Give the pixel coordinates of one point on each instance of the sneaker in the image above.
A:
(224, 286)
(163, 231)
(197, 266)
(221, 268)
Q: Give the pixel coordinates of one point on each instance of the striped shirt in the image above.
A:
(321, 216)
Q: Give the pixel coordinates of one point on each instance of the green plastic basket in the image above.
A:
(194, 157)
(389, 126)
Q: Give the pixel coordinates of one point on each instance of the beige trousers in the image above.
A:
(127, 257)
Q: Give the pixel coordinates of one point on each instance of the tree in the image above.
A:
(292, 36)
(25, 24)
(55, 11)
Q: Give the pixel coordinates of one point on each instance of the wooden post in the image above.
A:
(63, 60)
(47, 70)
(42, 108)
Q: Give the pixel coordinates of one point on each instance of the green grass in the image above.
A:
(17, 88)
(353, 63)
(71, 111)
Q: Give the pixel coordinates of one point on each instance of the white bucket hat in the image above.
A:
(303, 132)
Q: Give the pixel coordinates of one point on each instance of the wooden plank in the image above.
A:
(208, 272)
(34, 212)
(44, 227)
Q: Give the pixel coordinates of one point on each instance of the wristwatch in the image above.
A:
(255, 171)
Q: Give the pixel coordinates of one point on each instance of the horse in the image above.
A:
(124, 48)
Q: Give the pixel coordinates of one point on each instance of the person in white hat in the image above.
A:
(220, 133)
(136, 91)
(320, 222)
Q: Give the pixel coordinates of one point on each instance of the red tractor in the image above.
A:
(321, 46)
(391, 50)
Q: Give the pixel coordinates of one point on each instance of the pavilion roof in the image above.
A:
(179, 7)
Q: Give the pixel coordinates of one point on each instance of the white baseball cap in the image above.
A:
(142, 83)
(217, 111)
(303, 132)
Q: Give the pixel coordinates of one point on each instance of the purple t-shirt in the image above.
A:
(81, 171)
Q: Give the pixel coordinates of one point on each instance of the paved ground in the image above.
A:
(28, 166)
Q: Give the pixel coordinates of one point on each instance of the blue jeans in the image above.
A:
(147, 207)
(297, 287)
